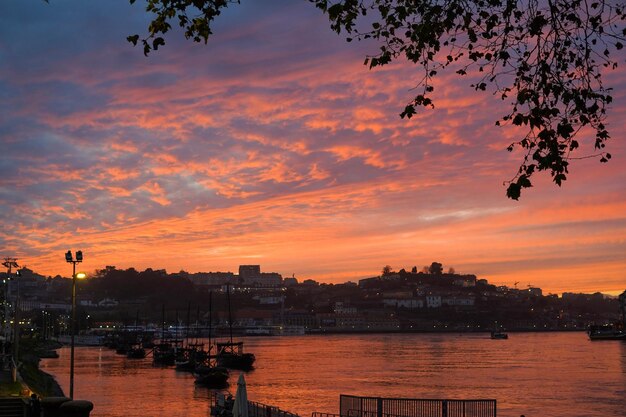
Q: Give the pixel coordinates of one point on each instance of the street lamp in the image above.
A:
(80, 275)
(12, 263)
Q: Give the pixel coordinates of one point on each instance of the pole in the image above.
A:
(230, 316)
(210, 323)
(72, 325)
(162, 323)
(16, 331)
(4, 318)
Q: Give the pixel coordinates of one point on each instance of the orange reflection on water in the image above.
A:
(535, 374)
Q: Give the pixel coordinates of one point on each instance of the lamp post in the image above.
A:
(12, 263)
(80, 275)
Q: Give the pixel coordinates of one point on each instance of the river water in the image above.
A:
(535, 374)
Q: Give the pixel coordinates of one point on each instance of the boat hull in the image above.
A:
(615, 336)
(214, 377)
(243, 362)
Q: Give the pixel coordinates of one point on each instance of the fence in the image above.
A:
(263, 410)
(222, 407)
(352, 406)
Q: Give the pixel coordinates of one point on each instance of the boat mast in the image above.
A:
(162, 322)
(188, 322)
(230, 318)
(136, 332)
(197, 324)
(210, 321)
(176, 326)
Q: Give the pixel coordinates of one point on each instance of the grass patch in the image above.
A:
(10, 389)
(42, 383)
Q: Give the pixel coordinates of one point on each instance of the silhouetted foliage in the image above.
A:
(435, 268)
(130, 284)
(545, 57)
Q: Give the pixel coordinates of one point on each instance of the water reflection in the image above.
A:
(549, 374)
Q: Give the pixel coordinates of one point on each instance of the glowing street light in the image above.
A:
(80, 275)
(12, 263)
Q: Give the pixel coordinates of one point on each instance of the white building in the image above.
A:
(433, 301)
(456, 301)
(342, 308)
(409, 303)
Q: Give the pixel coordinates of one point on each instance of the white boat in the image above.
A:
(82, 340)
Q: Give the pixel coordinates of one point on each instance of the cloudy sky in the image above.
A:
(275, 145)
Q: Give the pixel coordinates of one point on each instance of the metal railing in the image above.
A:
(353, 406)
(223, 406)
(262, 410)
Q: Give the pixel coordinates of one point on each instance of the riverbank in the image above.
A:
(38, 381)
(30, 377)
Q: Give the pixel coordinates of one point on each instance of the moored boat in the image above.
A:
(164, 353)
(211, 376)
(190, 357)
(136, 352)
(606, 332)
(498, 333)
(231, 355)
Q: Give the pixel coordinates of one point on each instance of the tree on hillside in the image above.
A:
(387, 270)
(435, 268)
(544, 58)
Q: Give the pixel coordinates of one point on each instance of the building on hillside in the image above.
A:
(249, 272)
(269, 299)
(350, 321)
(394, 276)
(408, 303)
(212, 279)
(108, 303)
(290, 281)
(534, 291)
(382, 323)
(251, 276)
(433, 301)
(343, 308)
(55, 306)
(401, 294)
(465, 281)
(30, 305)
(299, 318)
(368, 282)
(458, 301)
(29, 278)
(252, 317)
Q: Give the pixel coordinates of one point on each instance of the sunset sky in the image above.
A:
(275, 145)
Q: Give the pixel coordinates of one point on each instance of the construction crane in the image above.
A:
(515, 284)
